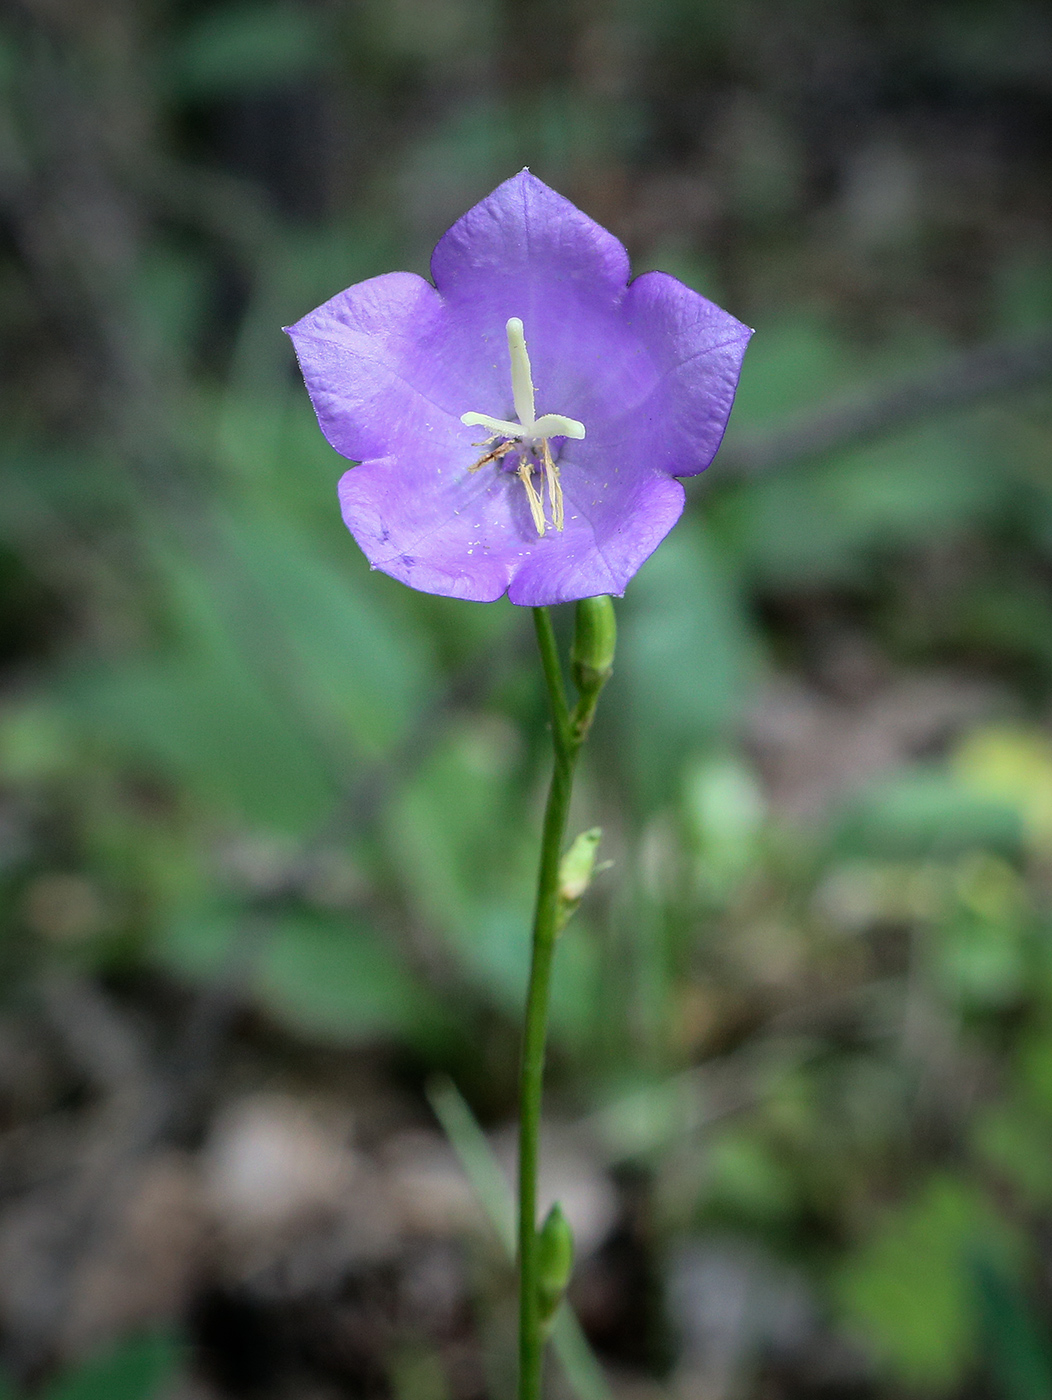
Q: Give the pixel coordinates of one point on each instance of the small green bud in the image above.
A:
(595, 637)
(554, 1264)
(575, 873)
(576, 866)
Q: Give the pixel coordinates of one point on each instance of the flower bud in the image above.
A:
(575, 873)
(576, 866)
(554, 1264)
(595, 636)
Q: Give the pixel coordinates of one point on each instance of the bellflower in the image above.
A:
(519, 425)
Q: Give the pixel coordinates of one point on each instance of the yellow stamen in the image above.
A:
(536, 503)
(555, 490)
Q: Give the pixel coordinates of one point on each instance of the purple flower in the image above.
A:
(463, 488)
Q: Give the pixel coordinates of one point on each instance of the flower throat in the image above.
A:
(529, 436)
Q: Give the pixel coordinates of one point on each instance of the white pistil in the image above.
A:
(529, 436)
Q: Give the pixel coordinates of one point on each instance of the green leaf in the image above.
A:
(832, 520)
(925, 813)
(748, 1180)
(354, 670)
(1016, 1342)
(980, 963)
(285, 673)
(684, 656)
(467, 859)
(1006, 611)
(133, 1370)
(339, 982)
(909, 1289)
(35, 741)
(330, 979)
(724, 815)
(243, 48)
(205, 721)
(793, 362)
(455, 830)
(1016, 1142)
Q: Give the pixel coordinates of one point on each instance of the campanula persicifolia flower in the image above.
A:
(519, 426)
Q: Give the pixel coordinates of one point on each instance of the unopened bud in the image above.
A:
(554, 1264)
(575, 873)
(595, 637)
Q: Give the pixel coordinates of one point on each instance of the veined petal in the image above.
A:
(602, 549)
(361, 359)
(526, 232)
(697, 350)
(438, 540)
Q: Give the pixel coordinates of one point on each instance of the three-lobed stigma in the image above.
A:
(529, 436)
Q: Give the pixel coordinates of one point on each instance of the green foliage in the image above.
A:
(1018, 1344)
(684, 658)
(925, 813)
(910, 1289)
(793, 362)
(453, 827)
(1017, 1145)
(335, 980)
(724, 814)
(829, 523)
(131, 1370)
(284, 675)
(327, 980)
(749, 1182)
(244, 47)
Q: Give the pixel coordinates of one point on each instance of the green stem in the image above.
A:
(553, 677)
(566, 742)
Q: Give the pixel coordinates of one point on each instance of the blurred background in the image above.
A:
(268, 821)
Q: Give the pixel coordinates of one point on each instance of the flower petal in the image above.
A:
(435, 525)
(604, 543)
(365, 357)
(526, 232)
(697, 349)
